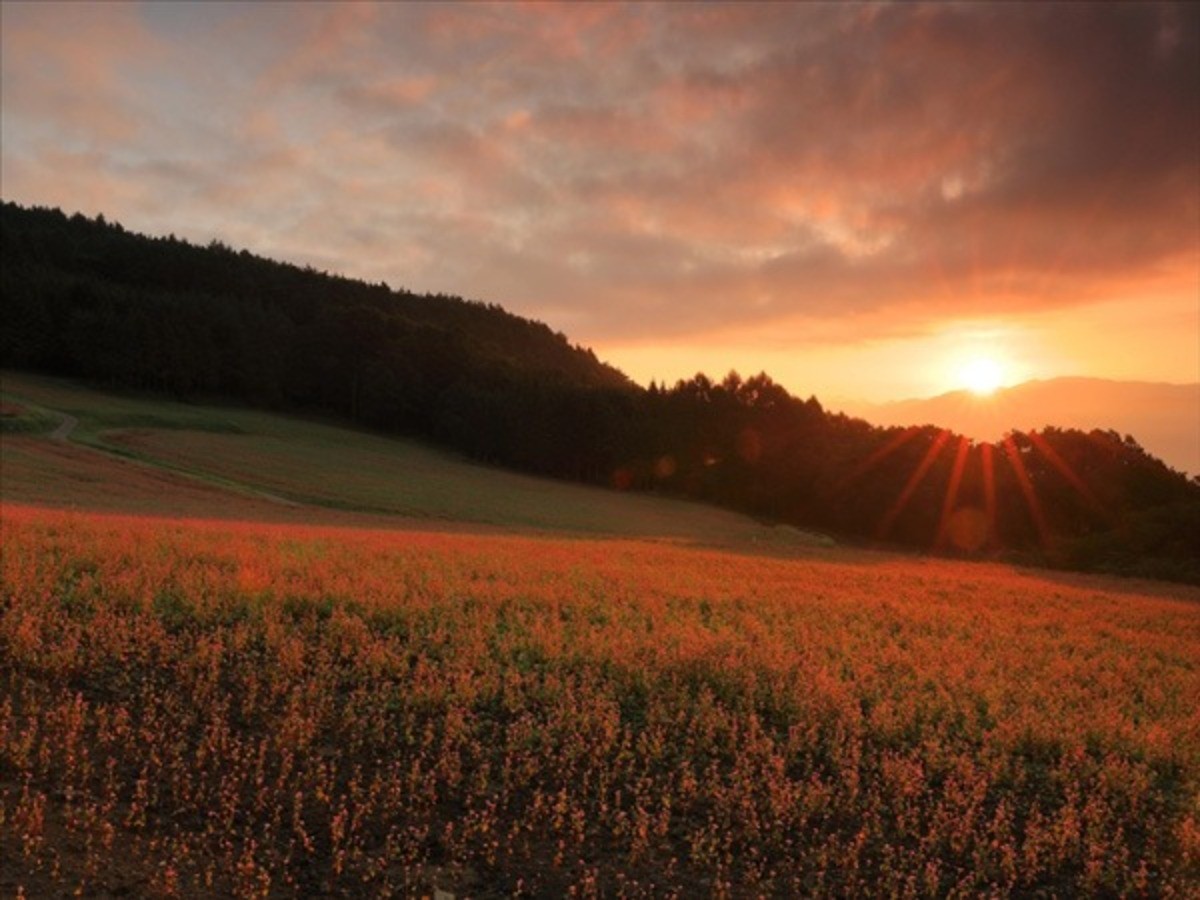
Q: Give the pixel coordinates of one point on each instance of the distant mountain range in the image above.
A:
(1163, 418)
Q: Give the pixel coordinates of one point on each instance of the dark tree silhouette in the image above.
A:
(85, 298)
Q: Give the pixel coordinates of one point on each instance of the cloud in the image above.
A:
(633, 172)
(76, 72)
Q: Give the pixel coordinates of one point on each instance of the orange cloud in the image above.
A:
(641, 172)
(76, 73)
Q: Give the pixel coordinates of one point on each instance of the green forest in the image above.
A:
(86, 298)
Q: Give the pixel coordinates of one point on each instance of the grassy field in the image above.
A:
(250, 454)
(245, 655)
(16, 418)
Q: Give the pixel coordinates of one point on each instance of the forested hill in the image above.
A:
(85, 298)
(89, 298)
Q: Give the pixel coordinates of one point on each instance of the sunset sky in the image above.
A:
(859, 199)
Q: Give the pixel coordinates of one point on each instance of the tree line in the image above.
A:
(85, 298)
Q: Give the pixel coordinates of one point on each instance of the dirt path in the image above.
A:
(65, 427)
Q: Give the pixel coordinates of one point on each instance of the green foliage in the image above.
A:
(1160, 542)
(302, 609)
(18, 419)
(173, 609)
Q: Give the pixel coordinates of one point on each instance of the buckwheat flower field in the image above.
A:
(189, 707)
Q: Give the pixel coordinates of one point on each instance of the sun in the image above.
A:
(981, 375)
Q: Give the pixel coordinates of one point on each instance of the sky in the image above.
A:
(861, 200)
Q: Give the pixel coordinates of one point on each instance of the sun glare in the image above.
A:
(981, 376)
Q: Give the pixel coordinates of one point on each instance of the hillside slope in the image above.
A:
(84, 298)
(211, 319)
(139, 454)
